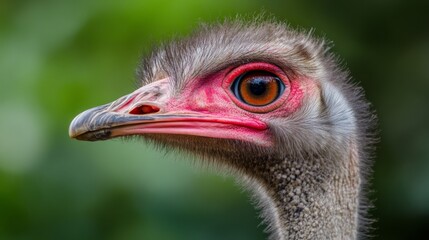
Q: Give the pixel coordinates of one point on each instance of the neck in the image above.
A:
(304, 196)
(309, 197)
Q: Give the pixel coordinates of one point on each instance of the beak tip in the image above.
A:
(79, 126)
(75, 127)
(73, 134)
(80, 129)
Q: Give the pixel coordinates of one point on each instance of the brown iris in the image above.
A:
(257, 88)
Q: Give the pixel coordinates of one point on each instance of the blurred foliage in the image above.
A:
(60, 57)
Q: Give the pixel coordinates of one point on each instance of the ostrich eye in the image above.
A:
(257, 88)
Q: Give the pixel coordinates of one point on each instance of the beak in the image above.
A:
(99, 123)
(145, 111)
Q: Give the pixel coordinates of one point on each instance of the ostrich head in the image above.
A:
(265, 101)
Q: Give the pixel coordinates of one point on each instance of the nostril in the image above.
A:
(144, 109)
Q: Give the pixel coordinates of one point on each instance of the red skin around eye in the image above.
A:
(212, 96)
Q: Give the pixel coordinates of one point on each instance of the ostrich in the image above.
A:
(269, 104)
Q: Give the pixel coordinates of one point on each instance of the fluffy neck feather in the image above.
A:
(309, 198)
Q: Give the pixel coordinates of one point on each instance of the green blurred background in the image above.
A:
(58, 58)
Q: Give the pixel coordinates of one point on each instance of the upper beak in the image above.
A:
(145, 111)
(138, 107)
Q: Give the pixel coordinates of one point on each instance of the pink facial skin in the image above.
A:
(207, 107)
(213, 97)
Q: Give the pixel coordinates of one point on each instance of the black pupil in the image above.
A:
(257, 86)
